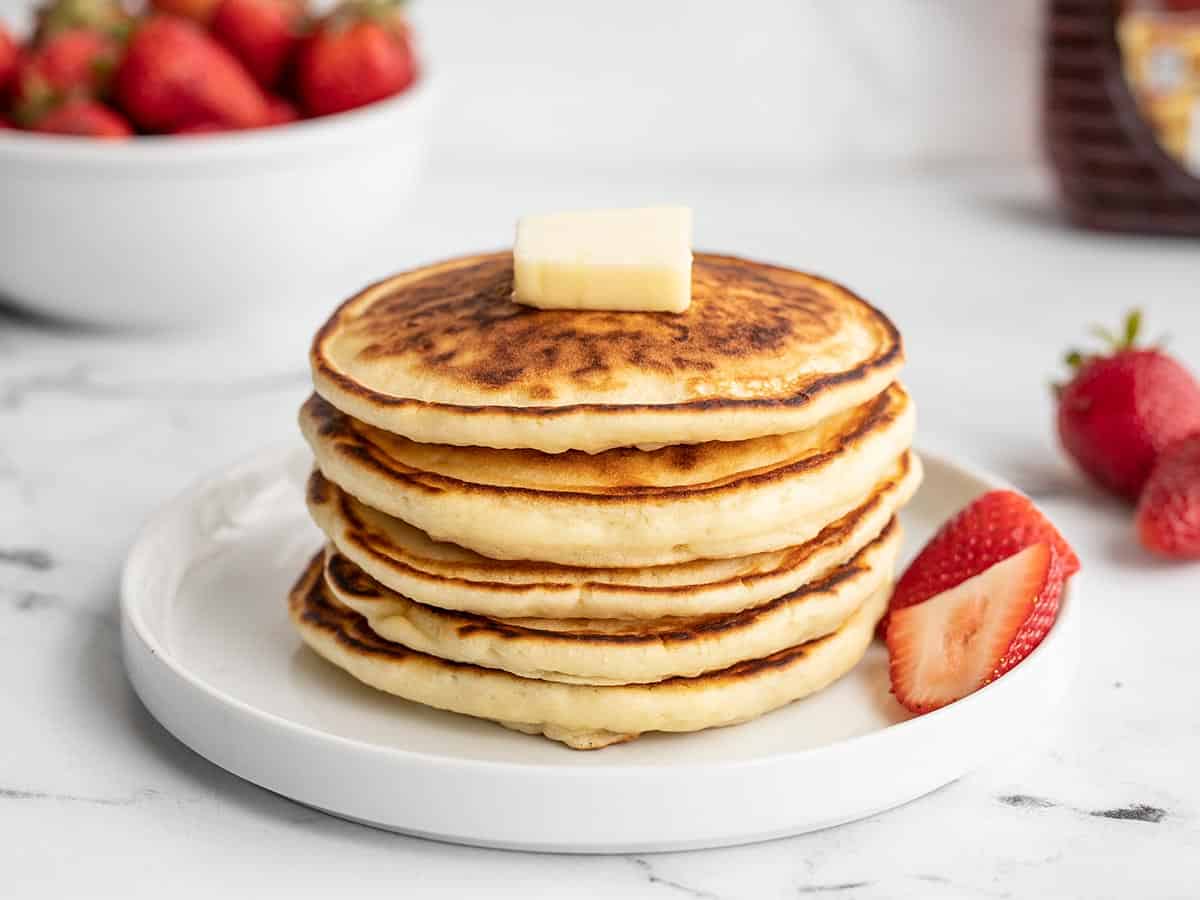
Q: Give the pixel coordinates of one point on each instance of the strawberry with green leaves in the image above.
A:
(175, 76)
(68, 64)
(360, 53)
(107, 17)
(1123, 407)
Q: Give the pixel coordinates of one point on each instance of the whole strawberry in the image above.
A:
(77, 62)
(174, 75)
(358, 54)
(10, 57)
(83, 117)
(109, 17)
(263, 34)
(197, 10)
(281, 112)
(1122, 408)
(1168, 514)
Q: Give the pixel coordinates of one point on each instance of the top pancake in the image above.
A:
(441, 354)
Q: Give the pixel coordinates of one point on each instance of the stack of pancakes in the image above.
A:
(588, 524)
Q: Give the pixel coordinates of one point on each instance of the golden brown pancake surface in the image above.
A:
(441, 353)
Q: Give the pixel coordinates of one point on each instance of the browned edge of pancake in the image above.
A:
(353, 581)
(321, 491)
(332, 423)
(891, 353)
(311, 605)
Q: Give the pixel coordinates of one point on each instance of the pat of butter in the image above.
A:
(623, 259)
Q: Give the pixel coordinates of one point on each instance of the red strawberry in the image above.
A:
(990, 529)
(174, 75)
(261, 33)
(70, 63)
(281, 111)
(359, 54)
(965, 637)
(10, 56)
(203, 128)
(1168, 514)
(1121, 410)
(86, 118)
(197, 10)
(109, 17)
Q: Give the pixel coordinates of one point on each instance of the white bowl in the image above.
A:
(209, 230)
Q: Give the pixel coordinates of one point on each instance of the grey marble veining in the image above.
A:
(96, 799)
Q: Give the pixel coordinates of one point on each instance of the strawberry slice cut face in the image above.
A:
(957, 641)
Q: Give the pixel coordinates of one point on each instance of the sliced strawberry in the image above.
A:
(963, 638)
(992, 528)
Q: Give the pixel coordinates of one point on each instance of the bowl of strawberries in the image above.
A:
(204, 162)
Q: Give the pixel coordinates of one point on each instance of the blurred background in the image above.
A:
(752, 85)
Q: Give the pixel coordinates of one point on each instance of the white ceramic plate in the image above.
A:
(211, 653)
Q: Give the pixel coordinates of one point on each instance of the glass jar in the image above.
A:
(1121, 112)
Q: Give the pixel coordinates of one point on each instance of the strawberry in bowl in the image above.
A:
(185, 68)
(200, 189)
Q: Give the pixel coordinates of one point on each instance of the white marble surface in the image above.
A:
(96, 430)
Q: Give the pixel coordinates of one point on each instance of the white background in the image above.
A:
(745, 84)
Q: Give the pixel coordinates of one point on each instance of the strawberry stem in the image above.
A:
(1133, 327)
(1131, 330)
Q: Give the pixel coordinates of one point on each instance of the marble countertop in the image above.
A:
(96, 430)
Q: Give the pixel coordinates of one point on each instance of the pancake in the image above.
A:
(582, 716)
(646, 509)
(441, 355)
(619, 651)
(435, 573)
